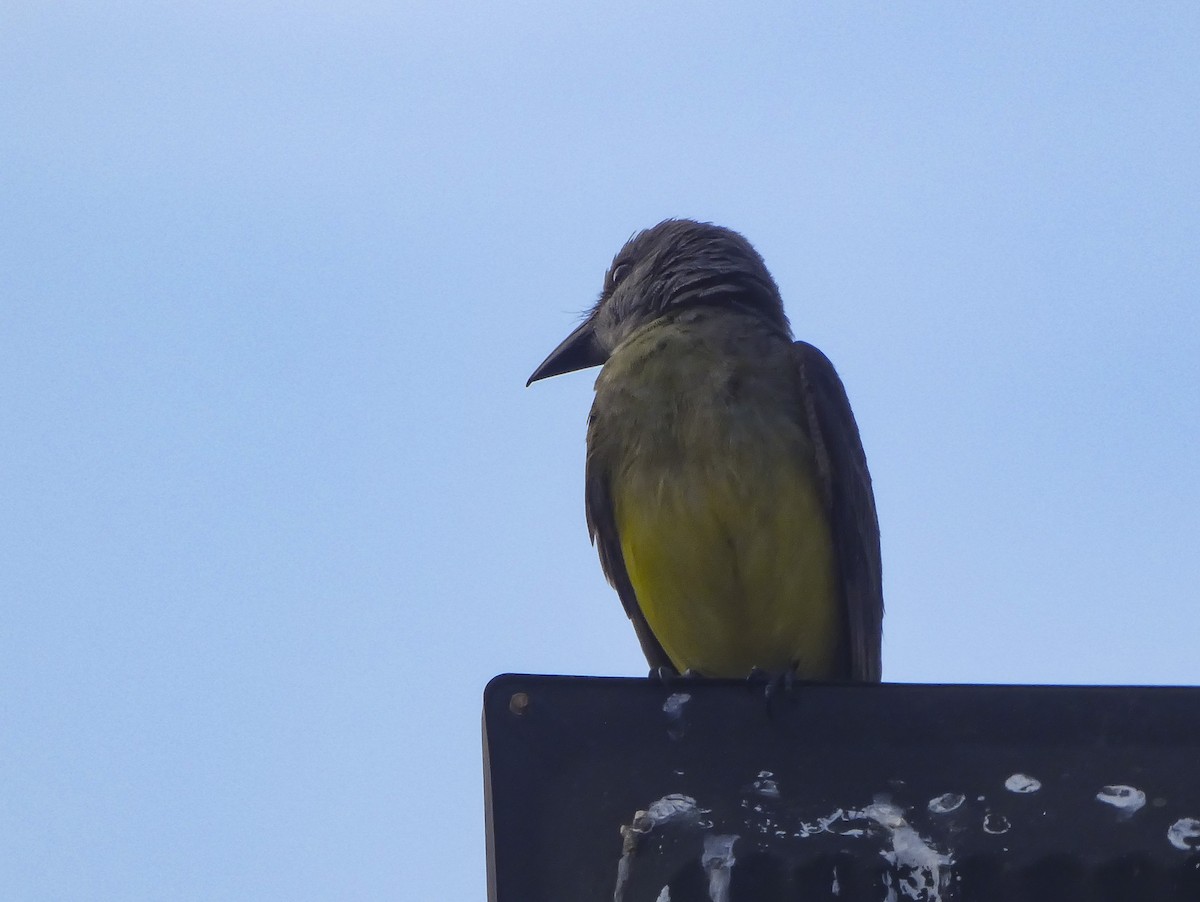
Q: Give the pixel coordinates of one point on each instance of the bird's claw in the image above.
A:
(663, 673)
(774, 684)
(667, 675)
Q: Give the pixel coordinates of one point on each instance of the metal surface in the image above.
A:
(625, 790)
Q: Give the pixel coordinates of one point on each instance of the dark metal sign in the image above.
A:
(626, 790)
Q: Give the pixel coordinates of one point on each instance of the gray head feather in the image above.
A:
(680, 263)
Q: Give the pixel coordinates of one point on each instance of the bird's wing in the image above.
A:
(851, 503)
(602, 526)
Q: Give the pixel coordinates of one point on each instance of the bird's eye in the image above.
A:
(619, 272)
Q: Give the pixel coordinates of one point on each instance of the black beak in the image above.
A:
(578, 351)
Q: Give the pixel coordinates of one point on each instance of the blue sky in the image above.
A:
(276, 502)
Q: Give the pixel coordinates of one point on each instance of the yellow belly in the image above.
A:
(732, 561)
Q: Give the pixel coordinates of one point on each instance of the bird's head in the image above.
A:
(675, 264)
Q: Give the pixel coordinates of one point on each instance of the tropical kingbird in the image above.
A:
(726, 485)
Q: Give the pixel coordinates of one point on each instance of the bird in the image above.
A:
(726, 487)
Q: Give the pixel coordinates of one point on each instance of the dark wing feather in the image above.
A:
(847, 482)
(602, 527)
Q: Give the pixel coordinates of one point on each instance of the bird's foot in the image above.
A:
(757, 675)
(668, 675)
(775, 685)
